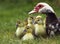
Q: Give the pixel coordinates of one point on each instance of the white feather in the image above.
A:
(46, 7)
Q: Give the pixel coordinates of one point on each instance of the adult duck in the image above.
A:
(52, 22)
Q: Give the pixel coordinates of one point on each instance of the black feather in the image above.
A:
(53, 20)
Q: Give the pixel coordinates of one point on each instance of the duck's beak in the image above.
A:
(31, 12)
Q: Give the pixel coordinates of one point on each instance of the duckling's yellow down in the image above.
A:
(39, 26)
(39, 29)
(19, 30)
(28, 35)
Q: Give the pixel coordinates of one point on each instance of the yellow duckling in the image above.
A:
(28, 33)
(17, 23)
(39, 27)
(30, 22)
(20, 29)
(25, 22)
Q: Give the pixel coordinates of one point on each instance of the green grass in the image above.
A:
(9, 14)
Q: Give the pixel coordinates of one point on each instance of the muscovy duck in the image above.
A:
(51, 18)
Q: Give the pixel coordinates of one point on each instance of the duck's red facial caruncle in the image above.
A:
(36, 8)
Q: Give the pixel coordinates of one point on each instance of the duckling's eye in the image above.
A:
(27, 28)
(31, 17)
(38, 20)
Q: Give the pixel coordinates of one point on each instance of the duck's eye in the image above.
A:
(40, 6)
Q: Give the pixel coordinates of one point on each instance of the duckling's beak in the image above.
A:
(25, 30)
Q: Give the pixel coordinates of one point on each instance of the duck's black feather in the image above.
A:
(54, 21)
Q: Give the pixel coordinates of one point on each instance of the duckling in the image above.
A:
(30, 22)
(25, 22)
(20, 29)
(17, 23)
(28, 33)
(39, 27)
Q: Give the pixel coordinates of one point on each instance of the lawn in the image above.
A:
(9, 14)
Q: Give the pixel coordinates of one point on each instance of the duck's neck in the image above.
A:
(51, 18)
